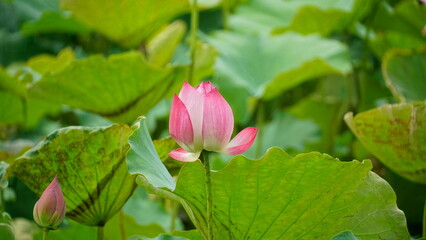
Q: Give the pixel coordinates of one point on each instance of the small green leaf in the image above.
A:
(405, 74)
(310, 196)
(6, 230)
(143, 159)
(396, 135)
(90, 166)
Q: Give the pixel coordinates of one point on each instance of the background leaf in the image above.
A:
(95, 84)
(396, 135)
(405, 74)
(128, 22)
(305, 57)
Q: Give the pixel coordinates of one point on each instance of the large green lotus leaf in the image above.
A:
(143, 158)
(306, 17)
(127, 22)
(119, 88)
(287, 60)
(90, 166)
(310, 196)
(396, 134)
(53, 22)
(405, 74)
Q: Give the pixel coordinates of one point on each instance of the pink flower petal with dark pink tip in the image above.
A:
(242, 142)
(180, 125)
(218, 121)
(193, 101)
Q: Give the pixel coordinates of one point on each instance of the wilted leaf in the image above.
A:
(310, 196)
(405, 74)
(90, 166)
(396, 134)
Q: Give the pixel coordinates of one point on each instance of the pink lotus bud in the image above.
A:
(201, 118)
(49, 210)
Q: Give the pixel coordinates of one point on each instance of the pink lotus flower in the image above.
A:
(49, 210)
(201, 118)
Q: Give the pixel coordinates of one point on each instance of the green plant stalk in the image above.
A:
(194, 28)
(206, 161)
(424, 220)
(100, 232)
(260, 122)
(174, 208)
(45, 233)
(122, 225)
(225, 14)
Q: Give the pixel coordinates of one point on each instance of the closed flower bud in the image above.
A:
(49, 210)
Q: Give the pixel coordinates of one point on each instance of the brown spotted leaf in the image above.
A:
(90, 166)
(396, 134)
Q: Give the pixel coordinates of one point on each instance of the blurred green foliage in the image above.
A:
(291, 68)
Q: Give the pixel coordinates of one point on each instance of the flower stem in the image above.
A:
(205, 159)
(100, 232)
(225, 14)
(194, 28)
(424, 220)
(260, 123)
(45, 233)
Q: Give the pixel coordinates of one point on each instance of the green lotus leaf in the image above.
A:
(405, 74)
(53, 22)
(90, 166)
(128, 22)
(305, 17)
(119, 88)
(396, 135)
(287, 61)
(310, 196)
